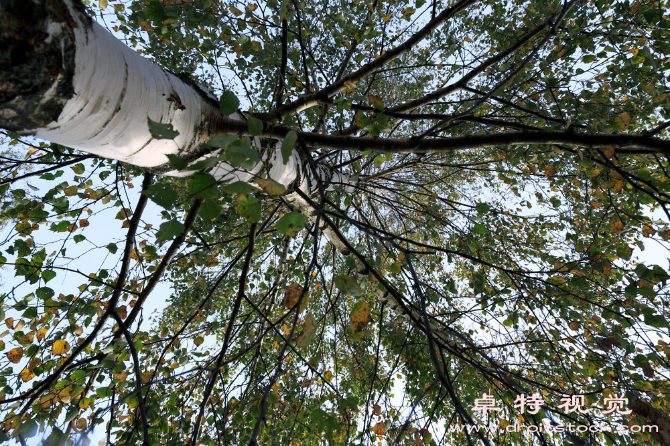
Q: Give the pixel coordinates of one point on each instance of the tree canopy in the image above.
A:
(486, 180)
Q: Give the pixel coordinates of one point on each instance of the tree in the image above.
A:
(453, 195)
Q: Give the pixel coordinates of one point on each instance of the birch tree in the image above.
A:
(451, 198)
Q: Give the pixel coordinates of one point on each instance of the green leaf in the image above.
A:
(44, 293)
(248, 207)
(221, 141)
(353, 336)
(205, 164)
(271, 187)
(77, 374)
(287, 145)
(255, 126)
(306, 337)
(112, 248)
(239, 187)
(228, 103)
(28, 429)
(588, 59)
(202, 185)
(176, 162)
(240, 154)
(162, 194)
(655, 320)
(55, 438)
(348, 285)
(482, 208)
(209, 210)
(479, 229)
(169, 230)
(161, 131)
(78, 168)
(292, 223)
(48, 274)
(79, 238)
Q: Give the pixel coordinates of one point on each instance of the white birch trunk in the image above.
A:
(116, 91)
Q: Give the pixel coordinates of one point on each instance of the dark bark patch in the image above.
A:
(31, 63)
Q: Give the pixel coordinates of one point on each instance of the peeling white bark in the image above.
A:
(117, 91)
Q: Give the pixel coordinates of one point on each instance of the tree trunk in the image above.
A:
(65, 79)
(653, 417)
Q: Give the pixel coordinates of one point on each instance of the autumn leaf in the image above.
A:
(379, 428)
(15, 355)
(26, 339)
(550, 171)
(271, 187)
(617, 226)
(360, 316)
(26, 375)
(574, 325)
(60, 347)
(648, 231)
(648, 371)
(292, 295)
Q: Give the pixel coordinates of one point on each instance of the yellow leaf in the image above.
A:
(469, 40)
(41, 333)
(550, 171)
(609, 153)
(34, 363)
(70, 191)
(625, 117)
(9, 322)
(26, 375)
(15, 355)
(198, 341)
(60, 347)
(360, 316)
(560, 266)
(102, 4)
(146, 376)
(26, 339)
(271, 187)
(81, 423)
